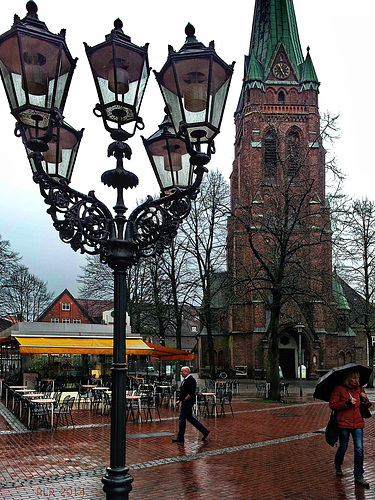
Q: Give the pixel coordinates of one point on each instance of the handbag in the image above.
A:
(332, 429)
(365, 412)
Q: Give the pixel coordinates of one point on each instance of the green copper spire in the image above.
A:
(308, 74)
(275, 23)
(275, 26)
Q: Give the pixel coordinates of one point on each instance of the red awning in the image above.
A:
(168, 353)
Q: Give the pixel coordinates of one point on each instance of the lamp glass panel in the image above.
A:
(174, 109)
(62, 80)
(218, 103)
(142, 86)
(39, 58)
(168, 177)
(12, 84)
(193, 80)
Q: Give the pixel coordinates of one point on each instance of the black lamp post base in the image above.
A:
(117, 483)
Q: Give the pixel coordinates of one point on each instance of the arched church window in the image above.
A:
(270, 153)
(341, 358)
(281, 96)
(293, 153)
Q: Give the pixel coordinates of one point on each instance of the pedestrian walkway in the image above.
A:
(266, 451)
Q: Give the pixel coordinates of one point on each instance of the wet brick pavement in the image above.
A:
(266, 451)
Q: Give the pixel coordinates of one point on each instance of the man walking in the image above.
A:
(187, 400)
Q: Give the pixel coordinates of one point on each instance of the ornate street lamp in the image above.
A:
(120, 70)
(36, 69)
(169, 158)
(195, 83)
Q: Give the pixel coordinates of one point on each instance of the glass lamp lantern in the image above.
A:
(195, 83)
(58, 161)
(120, 70)
(36, 68)
(169, 158)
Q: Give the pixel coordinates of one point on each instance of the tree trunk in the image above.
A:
(273, 350)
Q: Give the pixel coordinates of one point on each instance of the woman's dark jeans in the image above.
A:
(358, 449)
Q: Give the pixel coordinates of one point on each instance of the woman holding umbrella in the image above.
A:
(346, 399)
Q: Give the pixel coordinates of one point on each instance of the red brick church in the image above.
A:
(278, 181)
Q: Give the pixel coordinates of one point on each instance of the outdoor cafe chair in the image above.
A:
(57, 396)
(106, 403)
(150, 403)
(96, 401)
(226, 400)
(37, 414)
(261, 388)
(201, 407)
(133, 409)
(84, 396)
(65, 411)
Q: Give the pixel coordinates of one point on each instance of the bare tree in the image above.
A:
(96, 282)
(24, 295)
(205, 231)
(356, 260)
(8, 260)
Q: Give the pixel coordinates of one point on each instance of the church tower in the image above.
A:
(278, 188)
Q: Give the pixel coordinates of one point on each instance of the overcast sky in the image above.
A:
(337, 32)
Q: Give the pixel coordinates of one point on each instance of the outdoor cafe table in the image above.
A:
(44, 401)
(13, 387)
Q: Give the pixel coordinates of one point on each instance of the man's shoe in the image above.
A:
(338, 472)
(361, 482)
(205, 434)
(177, 440)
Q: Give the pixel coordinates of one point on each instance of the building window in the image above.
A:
(65, 320)
(193, 328)
(281, 96)
(270, 153)
(54, 320)
(76, 321)
(293, 148)
(65, 306)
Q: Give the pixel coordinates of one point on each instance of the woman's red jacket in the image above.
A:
(347, 417)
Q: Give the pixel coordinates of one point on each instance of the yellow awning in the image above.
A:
(77, 345)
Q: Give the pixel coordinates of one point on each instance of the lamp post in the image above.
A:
(300, 328)
(36, 68)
